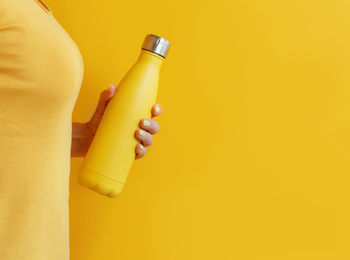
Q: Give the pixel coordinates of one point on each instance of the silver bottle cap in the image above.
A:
(156, 44)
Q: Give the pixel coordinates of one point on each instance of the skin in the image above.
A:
(83, 133)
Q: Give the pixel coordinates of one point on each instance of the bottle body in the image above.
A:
(112, 151)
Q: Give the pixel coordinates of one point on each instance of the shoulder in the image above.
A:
(1, 10)
(11, 11)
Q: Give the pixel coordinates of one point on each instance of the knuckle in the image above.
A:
(156, 127)
(149, 140)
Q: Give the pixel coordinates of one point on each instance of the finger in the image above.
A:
(156, 110)
(108, 93)
(105, 96)
(140, 151)
(149, 125)
(144, 137)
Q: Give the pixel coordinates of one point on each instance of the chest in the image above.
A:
(38, 58)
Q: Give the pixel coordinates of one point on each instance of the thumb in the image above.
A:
(108, 93)
(105, 97)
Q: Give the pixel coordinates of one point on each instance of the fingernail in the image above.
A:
(157, 109)
(141, 147)
(141, 132)
(146, 122)
(111, 86)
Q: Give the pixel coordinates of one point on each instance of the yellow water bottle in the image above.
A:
(109, 159)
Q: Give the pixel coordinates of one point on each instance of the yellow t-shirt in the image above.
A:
(41, 71)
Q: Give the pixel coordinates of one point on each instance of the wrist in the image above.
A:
(82, 135)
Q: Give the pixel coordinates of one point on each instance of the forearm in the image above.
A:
(80, 139)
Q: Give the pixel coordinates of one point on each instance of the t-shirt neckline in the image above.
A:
(44, 6)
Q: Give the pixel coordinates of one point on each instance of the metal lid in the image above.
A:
(156, 44)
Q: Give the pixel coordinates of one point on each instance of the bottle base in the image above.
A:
(99, 183)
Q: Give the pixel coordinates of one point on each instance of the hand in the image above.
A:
(148, 127)
(144, 134)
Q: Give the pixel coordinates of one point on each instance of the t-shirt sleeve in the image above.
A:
(1, 11)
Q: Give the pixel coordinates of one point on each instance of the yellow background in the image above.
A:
(252, 157)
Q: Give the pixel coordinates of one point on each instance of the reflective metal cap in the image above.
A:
(156, 44)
